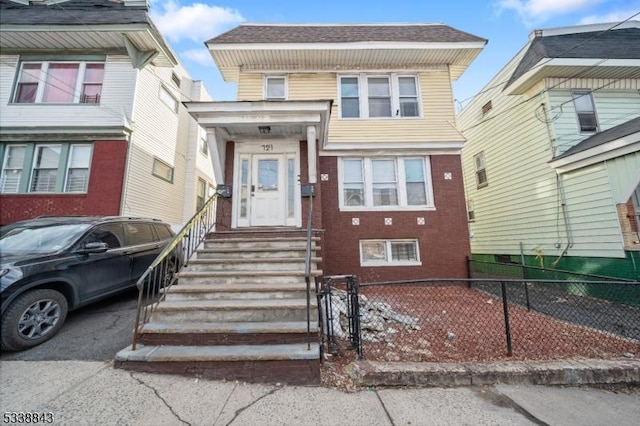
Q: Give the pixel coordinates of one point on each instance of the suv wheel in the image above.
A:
(33, 318)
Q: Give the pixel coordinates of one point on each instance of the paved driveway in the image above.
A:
(94, 333)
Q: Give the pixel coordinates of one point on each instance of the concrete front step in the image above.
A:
(228, 333)
(238, 291)
(287, 363)
(241, 265)
(252, 243)
(182, 311)
(234, 277)
(254, 253)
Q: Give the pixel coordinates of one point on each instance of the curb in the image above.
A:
(566, 372)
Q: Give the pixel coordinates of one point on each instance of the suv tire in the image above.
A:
(33, 318)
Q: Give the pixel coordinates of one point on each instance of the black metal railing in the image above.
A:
(339, 314)
(490, 319)
(163, 271)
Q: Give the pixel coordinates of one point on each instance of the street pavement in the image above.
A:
(94, 393)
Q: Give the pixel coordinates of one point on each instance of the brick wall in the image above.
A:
(443, 239)
(628, 225)
(103, 195)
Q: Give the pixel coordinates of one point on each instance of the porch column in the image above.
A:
(311, 154)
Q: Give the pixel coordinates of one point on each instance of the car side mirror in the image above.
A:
(97, 247)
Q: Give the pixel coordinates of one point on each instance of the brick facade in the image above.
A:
(628, 225)
(103, 195)
(443, 239)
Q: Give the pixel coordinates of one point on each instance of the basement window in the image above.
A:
(389, 253)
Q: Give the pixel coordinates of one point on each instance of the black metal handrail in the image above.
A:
(163, 271)
(307, 269)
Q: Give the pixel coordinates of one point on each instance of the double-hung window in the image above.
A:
(45, 168)
(378, 96)
(481, 170)
(385, 183)
(59, 82)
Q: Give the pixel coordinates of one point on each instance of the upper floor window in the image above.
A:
(385, 183)
(481, 170)
(275, 88)
(45, 168)
(59, 82)
(168, 99)
(586, 111)
(375, 96)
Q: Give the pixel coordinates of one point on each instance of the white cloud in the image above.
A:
(535, 11)
(199, 56)
(197, 21)
(610, 17)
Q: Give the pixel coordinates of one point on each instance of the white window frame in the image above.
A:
(68, 168)
(401, 184)
(159, 163)
(168, 99)
(16, 168)
(42, 81)
(388, 260)
(480, 168)
(34, 162)
(25, 181)
(265, 87)
(363, 95)
(587, 94)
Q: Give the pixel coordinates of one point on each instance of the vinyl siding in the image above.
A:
(522, 202)
(624, 176)
(612, 108)
(116, 100)
(592, 213)
(436, 124)
(157, 133)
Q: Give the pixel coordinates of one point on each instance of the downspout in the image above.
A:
(560, 189)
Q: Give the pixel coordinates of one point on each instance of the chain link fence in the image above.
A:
(489, 319)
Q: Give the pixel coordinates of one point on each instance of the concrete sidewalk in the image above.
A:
(94, 393)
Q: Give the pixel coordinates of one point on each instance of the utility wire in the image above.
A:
(546, 61)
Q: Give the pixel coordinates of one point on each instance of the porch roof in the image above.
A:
(263, 119)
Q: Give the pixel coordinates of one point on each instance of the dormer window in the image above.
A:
(378, 96)
(275, 88)
(59, 82)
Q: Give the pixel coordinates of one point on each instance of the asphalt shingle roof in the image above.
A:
(344, 34)
(73, 12)
(612, 44)
(625, 129)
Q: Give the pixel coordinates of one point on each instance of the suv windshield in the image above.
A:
(40, 240)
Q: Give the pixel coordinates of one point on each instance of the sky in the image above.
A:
(506, 24)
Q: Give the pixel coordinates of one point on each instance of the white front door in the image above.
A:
(267, 188)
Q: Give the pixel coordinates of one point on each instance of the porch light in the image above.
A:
(265, 130)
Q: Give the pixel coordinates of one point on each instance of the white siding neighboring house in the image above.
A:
(552, 158)
(124, 112)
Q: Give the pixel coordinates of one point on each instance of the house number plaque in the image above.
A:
(267, 148)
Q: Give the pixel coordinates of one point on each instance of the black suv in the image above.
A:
(50, 265)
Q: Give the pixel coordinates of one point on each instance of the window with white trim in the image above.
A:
(389, 253)
(168, 99)
(162, 170)
(385, 183)
(59, 82)
(201, 193)
(379, 96)
(45, 168)
(481, 170)
(275, 88)
(585, 110)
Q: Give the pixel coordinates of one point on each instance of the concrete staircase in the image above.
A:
(239, 312)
